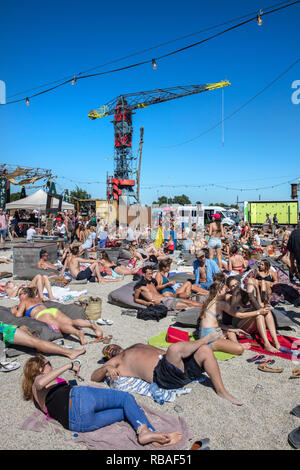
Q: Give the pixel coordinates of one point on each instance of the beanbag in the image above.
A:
(123, 297)
(30, 272)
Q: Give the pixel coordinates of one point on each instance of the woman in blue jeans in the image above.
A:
(86, 408)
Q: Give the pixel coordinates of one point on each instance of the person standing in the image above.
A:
(3, 226)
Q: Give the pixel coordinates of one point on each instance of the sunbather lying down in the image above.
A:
(182, 363)
(5, 260)
(88, 408)
(40, 282)
(31, 306)
(22, 336)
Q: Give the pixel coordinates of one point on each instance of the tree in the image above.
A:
(15, 196)
(181, 200)
(80, 193)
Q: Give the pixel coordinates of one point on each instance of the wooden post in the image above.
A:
(140, 161)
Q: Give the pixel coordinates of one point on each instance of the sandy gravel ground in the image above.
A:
(263, 422)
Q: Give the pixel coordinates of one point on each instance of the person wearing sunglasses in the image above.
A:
(86, 408)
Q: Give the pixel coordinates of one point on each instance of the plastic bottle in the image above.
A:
(157, 393)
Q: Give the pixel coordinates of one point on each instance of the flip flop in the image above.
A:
(254, 358)
(200, 445)
(102, 321)
(296, 374)
(9, 366)
(102, 339)
(294, 438)
(262, 360)
(265, 368)
(267, 362)
(296, 411)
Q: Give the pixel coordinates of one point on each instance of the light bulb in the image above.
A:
(259, 18)
(154, 66)
(27, 102)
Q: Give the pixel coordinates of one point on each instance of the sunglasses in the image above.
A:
(48, 363)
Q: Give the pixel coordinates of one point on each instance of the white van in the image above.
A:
(226, 215)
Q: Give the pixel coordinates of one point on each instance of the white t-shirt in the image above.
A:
(29, 234)
(257, 239)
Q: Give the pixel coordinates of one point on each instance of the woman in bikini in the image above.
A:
(165, 286)
(240, 299)
(105, 261)
(211, 314)
(236, 261)
(86, 408)
(31, 306)
(265, 278)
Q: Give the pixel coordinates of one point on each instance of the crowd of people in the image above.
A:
(230, 305)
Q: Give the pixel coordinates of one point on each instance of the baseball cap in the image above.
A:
(200, 253)
(216, 216)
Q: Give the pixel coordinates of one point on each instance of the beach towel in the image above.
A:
(285, 341)
(139, 386)
(160, 342)
(62, 294)
(108, 438)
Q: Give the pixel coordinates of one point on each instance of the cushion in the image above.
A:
(188, 317)
(30, 272)
(124, 256)
(123, 297)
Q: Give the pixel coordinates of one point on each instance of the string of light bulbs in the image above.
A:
(206, 185)
(69, 77)
(153, 61)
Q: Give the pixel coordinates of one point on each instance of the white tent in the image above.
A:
(37, 201)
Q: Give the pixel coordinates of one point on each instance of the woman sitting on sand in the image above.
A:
(119, 269)
(39, 282)
(211, 314)
(240, 299)
(236, 261)
(86, 408)
(165, 286)
(265, 278)
(31, 306)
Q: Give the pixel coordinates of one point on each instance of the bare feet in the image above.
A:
(75, 353)
(230, 398)
(158, 439)
(98, 331)
(270, 348)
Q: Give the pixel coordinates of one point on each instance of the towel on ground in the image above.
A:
(285, 341)
(160, 342)
(139, 386)
(108, 437)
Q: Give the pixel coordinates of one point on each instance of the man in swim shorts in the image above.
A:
(182, 363)
(22, 336)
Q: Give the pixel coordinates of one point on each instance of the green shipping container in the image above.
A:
(286, 211)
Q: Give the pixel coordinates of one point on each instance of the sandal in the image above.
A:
(265, 368)
(263, 360)
(267, 362)
(201, 445)
(296, 374)
(9, 366)
(256, 357)
(102, 321)
(102, 339)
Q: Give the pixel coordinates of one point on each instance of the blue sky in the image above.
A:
(46, 41)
